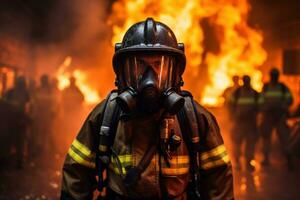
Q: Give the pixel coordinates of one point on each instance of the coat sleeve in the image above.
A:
(79, 174)
(216, 172)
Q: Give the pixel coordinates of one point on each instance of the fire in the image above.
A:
(239, 51)
(90, 96)
(63, 75)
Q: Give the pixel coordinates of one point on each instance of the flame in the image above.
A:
(91, 96)
(63, 75)
(240, 46)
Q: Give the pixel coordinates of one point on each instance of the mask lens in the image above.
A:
(137, 67)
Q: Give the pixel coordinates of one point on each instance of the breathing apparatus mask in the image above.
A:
(149, 82)
(149, 64)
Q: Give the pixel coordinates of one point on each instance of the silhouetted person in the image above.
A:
(275, 101)
(244, 102)
(230, 90)
(72, 102)
(18, 98)
(44, 114)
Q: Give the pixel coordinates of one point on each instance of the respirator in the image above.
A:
(149, 84)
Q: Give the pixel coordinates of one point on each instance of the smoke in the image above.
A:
(78, 29)
(37, 36)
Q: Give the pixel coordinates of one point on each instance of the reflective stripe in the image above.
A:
(81, 154)
(103, 148)
(83, 149)
(175, 171)
(125, 161)
(125, 158)
(80, 160)
(274, 94)
(222, 161)
(179, 165)
(180, 160)
(214, 152)
(246, 101)
(117, 170)
(214, 158)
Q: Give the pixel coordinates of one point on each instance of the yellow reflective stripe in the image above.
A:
(180, 160)
(124, 158)
(102, 147)
(83, 149)
(117, 170)
(246, 101)
(80, 160)
(214, 152)
(212, 164)
(273, 94)
(175, 171)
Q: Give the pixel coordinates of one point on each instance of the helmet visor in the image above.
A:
(137, 67)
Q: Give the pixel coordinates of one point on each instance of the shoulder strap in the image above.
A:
(189, 125)
(108, 126)
(109, 123)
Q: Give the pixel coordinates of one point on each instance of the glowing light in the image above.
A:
(91, 96)
(253, 163)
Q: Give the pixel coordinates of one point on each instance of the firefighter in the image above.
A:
(230, 90)
(18, 97)
(72, 98)
(275, 101)
(244, 102)
(151, 139)
(44, 113)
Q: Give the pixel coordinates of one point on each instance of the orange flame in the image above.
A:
(91, 96)
(240, 46)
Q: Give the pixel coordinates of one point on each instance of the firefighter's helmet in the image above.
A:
(149, 64)
(152, 37)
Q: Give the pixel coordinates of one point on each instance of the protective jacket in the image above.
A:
(244, 102)
(275, 98)
(163, 176)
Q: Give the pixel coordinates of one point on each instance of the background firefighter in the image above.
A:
(72, 109)
(152, 155)
(44, 112)
(18, 98)
(244, 103)
(275, 101)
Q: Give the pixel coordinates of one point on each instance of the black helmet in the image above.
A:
(149, 36)
(149, 64)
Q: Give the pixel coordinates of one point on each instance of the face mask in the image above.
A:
(149, 85)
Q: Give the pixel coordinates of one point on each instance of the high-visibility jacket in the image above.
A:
(131, 141)
(244, 102)
(275, 97)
